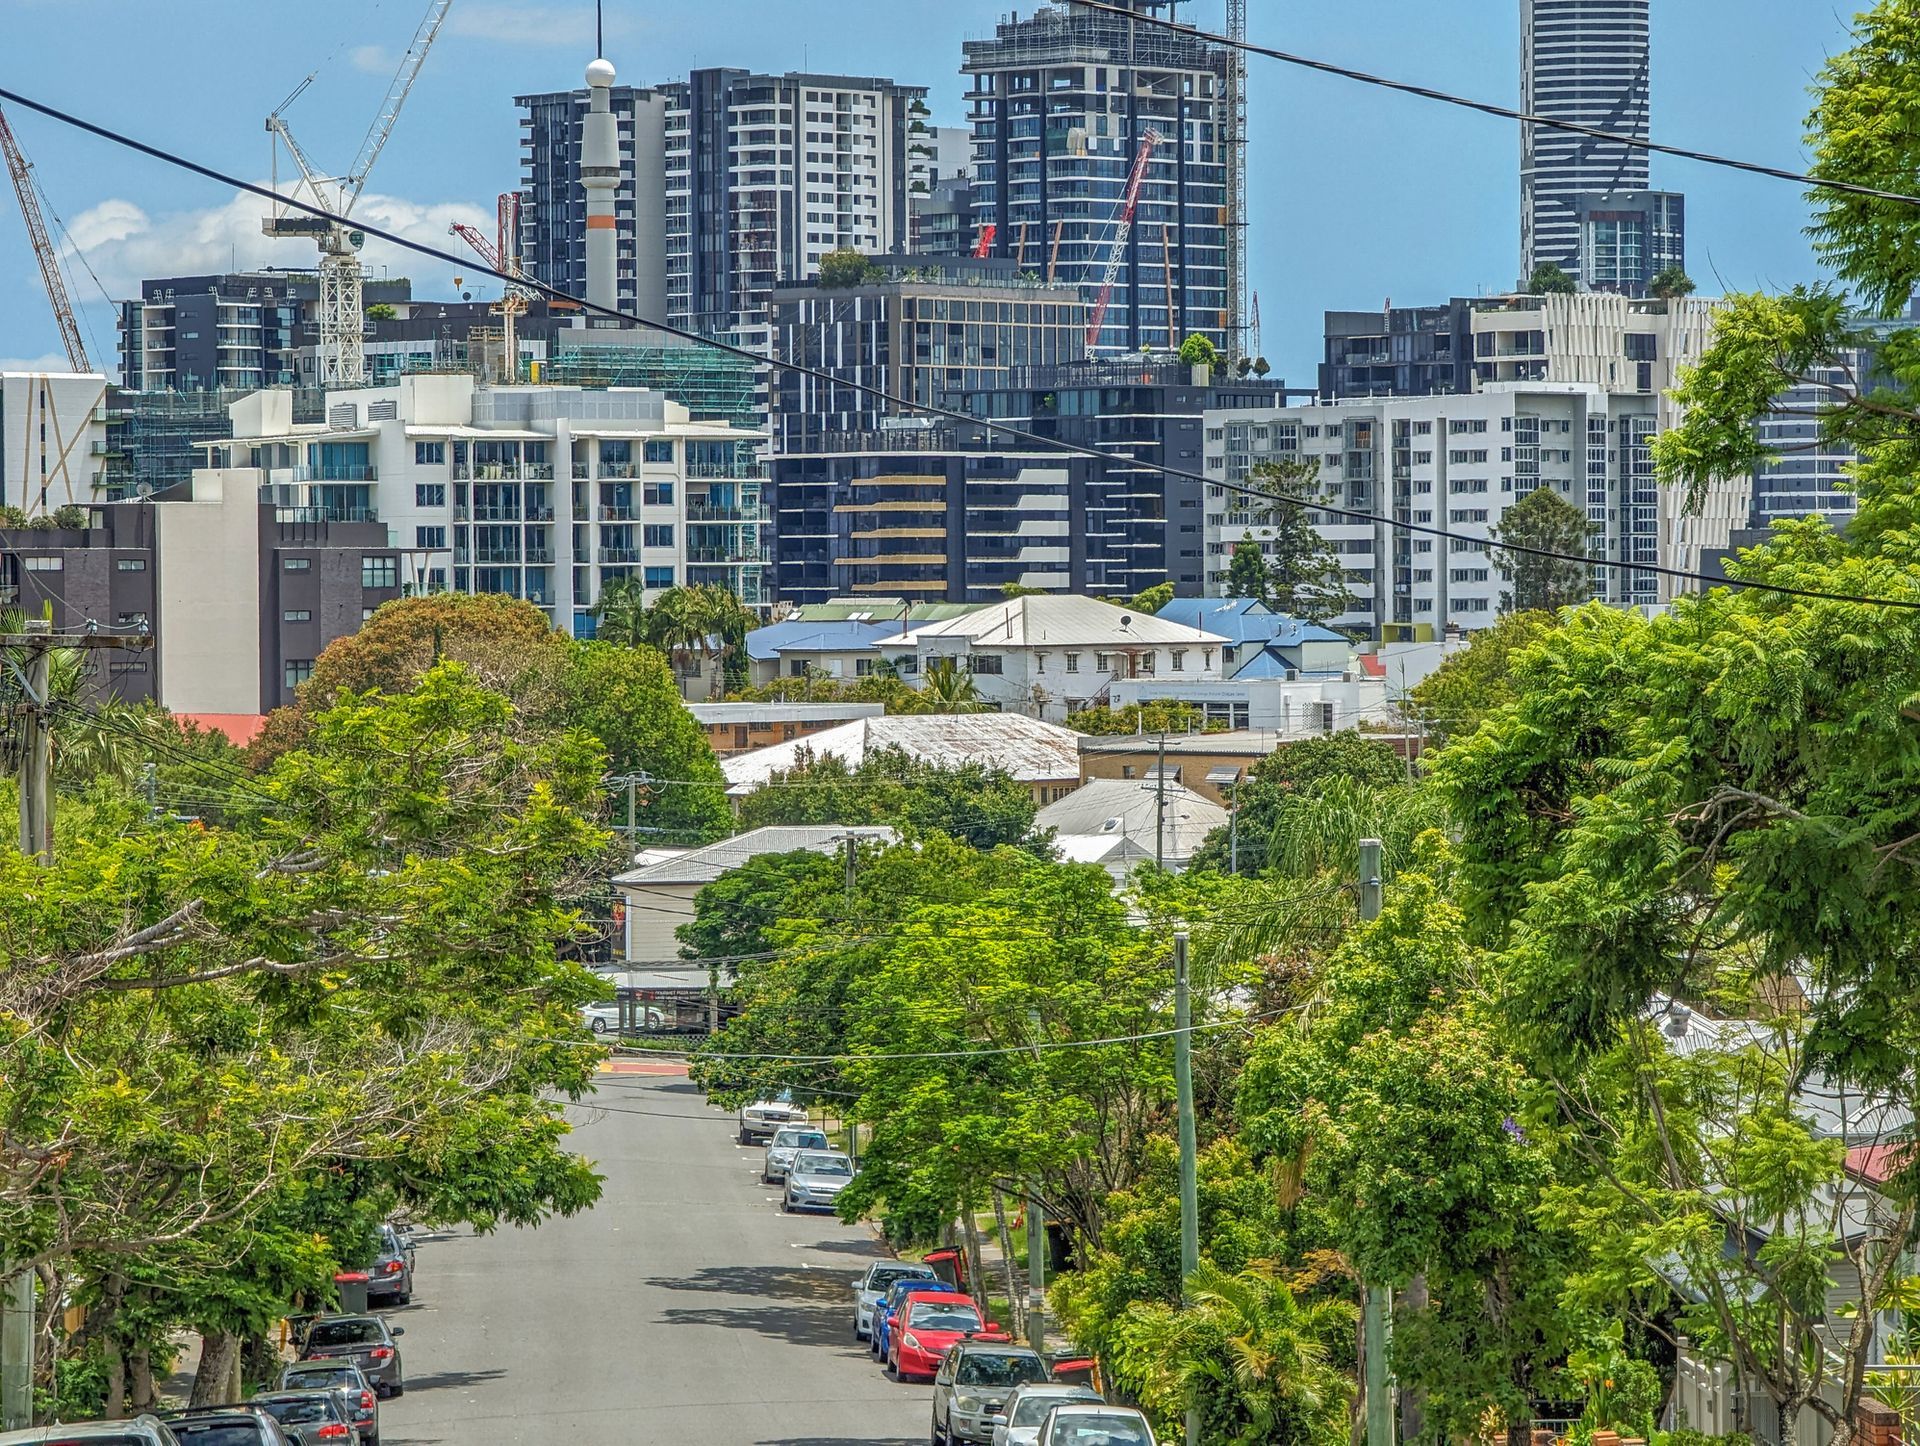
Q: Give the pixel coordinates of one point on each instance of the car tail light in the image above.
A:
(392, 1267)
(381, 1353)
(366, 1400)
(333, 1431)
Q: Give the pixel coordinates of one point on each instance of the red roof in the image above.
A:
(1875, 1163)
(1372, 666)
(240, 728)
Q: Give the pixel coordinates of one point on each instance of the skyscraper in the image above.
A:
(1583, 61)
(1062, 102)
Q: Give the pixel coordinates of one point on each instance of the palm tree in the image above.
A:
(949, 688)
(706, 622)
(621, 613)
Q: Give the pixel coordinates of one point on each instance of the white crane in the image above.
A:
(342, 317)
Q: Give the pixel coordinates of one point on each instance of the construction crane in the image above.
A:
(1123, 228)
(503, 254)
(342, 316)
(1237, 339)
(984, 246)
(22, 172)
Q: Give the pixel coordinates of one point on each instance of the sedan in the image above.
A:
(972, 1385)
(391, 1274)
(1094, 1425)
(339, 1376)
(870, 1290)
(605, 1018)
(787, 1142)
(1018, 1423)
(225, 1426)
(816, 1179)
(887, 1313)
(311, 1418)
(930, 1324)
(365, 1340)
(138, 1431)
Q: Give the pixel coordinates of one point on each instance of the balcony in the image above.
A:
(725, 554)
(619, 554)
(539, 554)
(496, 514)
(325, 514)
(537, 471)
(700, 512)
(496, 556)
(337, 472)
(619, 514)
(621, 471)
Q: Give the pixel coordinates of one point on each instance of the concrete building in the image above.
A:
(1587, 62)
(53, 440)
(1062, 100)
(1211, 764)
(1808, 472)
(1626, 238)
(1038, 754)
(545, 493)
(1398, 351)
(742, 727)
(942, 220)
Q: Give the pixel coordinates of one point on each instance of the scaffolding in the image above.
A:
(714, 386)
(153, 437)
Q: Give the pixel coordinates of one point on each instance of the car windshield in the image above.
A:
(980, 1369)
(883, 1276)
(319, 1380)
(1099, 1431)
(344, 1333)
(824, 1165)
(1032, 1410)
(301, 1412)
(215, 1433)
(800, 1139)
(941, 1315)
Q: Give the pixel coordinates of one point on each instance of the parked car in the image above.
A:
(310, 1418)
(1018, 1423)
(143, 1430)
(870, 1289)
(240, 1425)
(972, 1385)
(605, 1018)
(365, 1340)
(390, 1277)
(759, 1120)
(1094, 1425)
(888, 1311)
(339, 1376)
(928, 1325)
(815, 1180)
(787, 1142)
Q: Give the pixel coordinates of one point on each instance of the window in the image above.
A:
(46, 564)
(1179, 656)
(1126, 770)
(1073, 662)
(1103, 663)
(657, 494)
(656, 577)
(984, 665)
(131, 564)
(657, 450)
(297, 615)
(657, 535)
(298, 671)
(430, 537)
(429, 494)
(379, 572)
(429, 454)
(298, 564)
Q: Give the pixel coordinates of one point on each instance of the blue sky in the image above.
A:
(1357, 196)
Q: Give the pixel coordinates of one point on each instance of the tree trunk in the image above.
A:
(1413, 1400)
(1519, 1433)
(1016, 1304)
(970, 1233)
(116, 1364)
(47, 1331)
(141, 1395)
(260, 1363)
(219, 1359)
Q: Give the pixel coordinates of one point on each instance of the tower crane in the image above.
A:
(503, 254)
(342, 316)
(1129, 203)
(22, 172)
(1236, 318)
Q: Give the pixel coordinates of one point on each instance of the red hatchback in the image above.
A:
(930, 1324)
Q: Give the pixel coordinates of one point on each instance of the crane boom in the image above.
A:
(50, 276)
(1129, 203)
(483, 248)
(397, 93)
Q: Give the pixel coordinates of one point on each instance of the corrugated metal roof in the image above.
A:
(798, 712)
(704, 865)
(1054, 620)
(1022, 747)
(766, 644)
(1127, 807)
(1246, 620)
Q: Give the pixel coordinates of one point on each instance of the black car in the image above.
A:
(245, 1425)
(310, 1418)
(366, 1340)
(362, 1403)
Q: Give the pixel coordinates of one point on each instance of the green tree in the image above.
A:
(946, 687)
(1020, 589)
(1670, 284)
(975, 803)
(1545, 521)
(1197, 351)
(510, 645)
(1281, 778)
(845, 268)
(620, 614)
(1479, 679)
(704, 626)
(1550, 279)
(1160, 715)
(381, 311)
(1247, 574)
(1306, 577)
(1148, 600)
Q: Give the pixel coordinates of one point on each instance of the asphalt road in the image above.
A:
(685, 1308)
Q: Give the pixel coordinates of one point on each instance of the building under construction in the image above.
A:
(1063, 105)
(713, 385)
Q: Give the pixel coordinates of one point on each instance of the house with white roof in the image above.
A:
(1113, 822)
(1041, 755)
(1048, 655)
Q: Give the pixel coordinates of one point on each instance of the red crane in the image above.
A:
(985, 243)
(1129, 203)
(43, 250)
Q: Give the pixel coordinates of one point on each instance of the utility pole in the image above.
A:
(28, 655)
(1189, 1140)
(1233, 827)
(1036, 1236)
(1160, 804)
(1378, 1313)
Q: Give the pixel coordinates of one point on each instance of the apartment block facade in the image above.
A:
(1062, 101)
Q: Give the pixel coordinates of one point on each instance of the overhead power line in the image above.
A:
(1053, 444)
(1503, 112)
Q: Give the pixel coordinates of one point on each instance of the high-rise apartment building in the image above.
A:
(1586, 62)
(730, 183)
(1062, 102)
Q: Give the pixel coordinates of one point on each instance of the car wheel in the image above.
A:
(403, 1297)
(599, 1026)
(399, 1388)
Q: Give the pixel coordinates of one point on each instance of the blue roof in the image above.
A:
(1245, 620)
(766, 644)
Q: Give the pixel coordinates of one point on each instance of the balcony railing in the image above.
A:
(325, 514)
(619, 554)
(539, 554)
(726, 554)
(337, 472)
(620, 470)
(496, 556)
(619, 514)
(538, 471)
(698, 512)
(496, 514)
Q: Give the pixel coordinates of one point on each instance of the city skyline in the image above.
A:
(455, 147)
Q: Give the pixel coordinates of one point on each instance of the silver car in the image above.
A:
(971, 1387)
(1095, 1424)
(788, 1141)
(138, 1431)
(870, 1290)
(1019, 1422)
(815, 1180)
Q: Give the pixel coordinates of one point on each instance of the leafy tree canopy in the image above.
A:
(1155, 716)
(846, 267)
(1545, 521)
(1550, 279)
(975, 803)
(1478, 680)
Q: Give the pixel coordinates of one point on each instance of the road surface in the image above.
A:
(685, 1308)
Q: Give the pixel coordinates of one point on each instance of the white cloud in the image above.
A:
(373, 59)
(125, 245)
(51, 362)
(523, 24)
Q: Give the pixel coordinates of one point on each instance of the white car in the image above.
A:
(605, 1018)
(1027, 1407)
(870, 1289)
(1094, 1424)
(815, 1180)
(788, 1141)
(759, 1120)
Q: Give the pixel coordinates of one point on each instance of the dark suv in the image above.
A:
(366, 1340)
(971, 1387)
